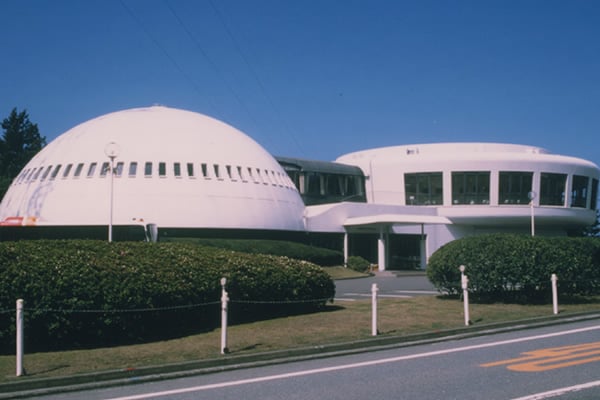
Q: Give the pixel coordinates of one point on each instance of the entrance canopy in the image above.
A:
(386, 219)
(381, 222)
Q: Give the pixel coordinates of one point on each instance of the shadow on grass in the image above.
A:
(48, 370)
(521, 299)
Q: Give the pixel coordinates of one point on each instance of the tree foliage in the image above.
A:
(593, 230)
(20, 141)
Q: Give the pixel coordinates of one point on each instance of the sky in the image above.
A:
(316, 78)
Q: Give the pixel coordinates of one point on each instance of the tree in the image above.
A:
(593, 230)
(20, 141)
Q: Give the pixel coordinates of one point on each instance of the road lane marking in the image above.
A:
(350, 366)
(417, 291)
(560, 392)
(395, 296)
(552, 358)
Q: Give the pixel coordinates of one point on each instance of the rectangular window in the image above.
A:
(471, 187)
(46, 172)
(162, 169)
(580, 191)
(177, 170)
(277, 178)
(217, 171)
(37, 173)
(424, 189)
(204, 170)
(31, 173)
(148, 169)
(334, 185)
(78, 170)
(119, 169)
(594, 204)
(92, 169)
(251, 174)
(514, 187)
(55, 172)
(105, 169)
(190, 170)
(312, 184)
(67, 170)
(240, 171)
(22, 175)
(552, 189)
(132, 169)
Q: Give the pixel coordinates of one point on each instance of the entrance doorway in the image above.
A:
(403, 250)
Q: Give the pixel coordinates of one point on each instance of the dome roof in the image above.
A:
(173, 167)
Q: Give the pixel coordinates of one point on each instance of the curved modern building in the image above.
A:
(175, 169)
(170, 172)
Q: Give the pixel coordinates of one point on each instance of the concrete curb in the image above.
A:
(45, 386)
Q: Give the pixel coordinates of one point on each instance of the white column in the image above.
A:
(224, 306)
(423, 248)
(374, 290)
(20, 335)
(382, 249)
(345, 249)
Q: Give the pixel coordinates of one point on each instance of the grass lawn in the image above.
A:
(339, 322)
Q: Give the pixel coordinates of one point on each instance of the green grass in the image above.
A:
(343, 273)
(340, 322)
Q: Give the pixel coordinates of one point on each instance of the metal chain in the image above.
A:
(116, 311)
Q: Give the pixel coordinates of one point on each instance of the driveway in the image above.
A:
(390, 284)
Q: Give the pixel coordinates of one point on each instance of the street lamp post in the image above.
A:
(112, 151)
(531, 196)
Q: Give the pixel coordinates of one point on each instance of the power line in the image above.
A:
(255, 75)
(210, 61)
(167, 55)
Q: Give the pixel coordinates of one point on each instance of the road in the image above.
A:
(389, 285)
(505, 366)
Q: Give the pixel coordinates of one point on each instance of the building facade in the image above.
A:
(160, 172)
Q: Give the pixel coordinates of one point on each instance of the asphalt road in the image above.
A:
(525, 365)
(389, 285)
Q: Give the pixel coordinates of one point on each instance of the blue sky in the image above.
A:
(316, 78)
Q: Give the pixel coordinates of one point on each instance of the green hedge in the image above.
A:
(108, 283)
(317, 255)
(359, 264)
(503, 267)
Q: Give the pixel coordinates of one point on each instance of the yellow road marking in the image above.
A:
(552, 358)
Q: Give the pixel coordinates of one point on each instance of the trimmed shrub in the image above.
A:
(504, 267)
(91, 293)
(359, 264)
(316, 255)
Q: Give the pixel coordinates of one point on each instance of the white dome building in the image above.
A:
(172, 168)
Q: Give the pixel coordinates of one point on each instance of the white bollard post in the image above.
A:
(465, 287)
(224, 301)
(374, 291)
(20, 369)
(554, 294)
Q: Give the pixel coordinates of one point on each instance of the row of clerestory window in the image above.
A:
(150, 169)
(514, 188)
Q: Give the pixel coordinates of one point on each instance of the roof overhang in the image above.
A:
(390, 219)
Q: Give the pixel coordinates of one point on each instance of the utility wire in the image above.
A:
(210, 61)
(166, 54)
(255, 76)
